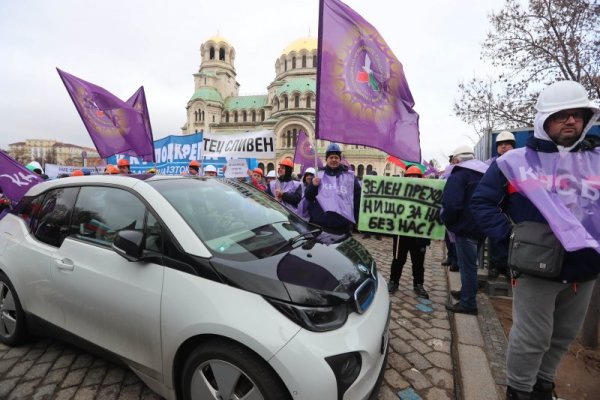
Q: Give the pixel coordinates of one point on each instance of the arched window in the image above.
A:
(361, 170)
(285, 65)
(297, 101)
(205, 80)
(353, 167)
(261, 166)
(294, 138)
(293, 62)
(285, 102)
(244, 116)
(270, 167)
(315, 61)
(213, 118)
(212, 53)
(253, 116)
(262, 115)
(308, 101)
(195, 115)
(276, 103)
(202, 117)
(227, 116)
(369, 169)
(304, 61)
(235, 116)
(289, 139)
(222, 54)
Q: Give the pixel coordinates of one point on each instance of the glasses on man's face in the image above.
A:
(564, 116)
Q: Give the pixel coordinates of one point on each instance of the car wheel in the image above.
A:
(12, 317)
(223, 370)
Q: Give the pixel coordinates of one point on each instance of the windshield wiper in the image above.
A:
(295, 239)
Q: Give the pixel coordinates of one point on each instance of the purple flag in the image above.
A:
(15, 179)
(362, 93)
(138, 102)
(114, 126)
(564, 187)
(305, 153)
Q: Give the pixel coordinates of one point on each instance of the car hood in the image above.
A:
(319, 272)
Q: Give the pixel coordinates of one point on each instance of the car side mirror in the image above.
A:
(129, 244)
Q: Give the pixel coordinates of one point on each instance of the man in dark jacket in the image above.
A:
(553, 180)
(285, 189)
(457, 217)
(334, 194)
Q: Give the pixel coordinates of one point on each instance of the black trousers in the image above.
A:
(416, 247)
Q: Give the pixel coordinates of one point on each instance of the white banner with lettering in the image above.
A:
(259, 144)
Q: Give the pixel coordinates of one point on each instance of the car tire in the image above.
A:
(225, 370)
(13, 329)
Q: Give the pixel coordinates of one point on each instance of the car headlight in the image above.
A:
(317, 319)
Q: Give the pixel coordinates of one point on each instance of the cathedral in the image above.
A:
(287, 108)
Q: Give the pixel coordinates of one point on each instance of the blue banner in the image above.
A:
(173, 154)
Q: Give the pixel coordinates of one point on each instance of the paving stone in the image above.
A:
(404, 334)
(409, 394)
(398, 362)
(86, 393)
(37, 371)
(395, 380)
(418, 361)
(130, 378)
(148, 394)
(109, 392)
(65, 360)
(19, 369)
(94, 377)
(438, 394)
(5, 365)
(439, 359)
(16, 352)
(44, 392)
(440, 333)
(440, 323)
(74, 378)
(419, 346)
(386, 393)
(23, 390)
(34, 354)
(421, 334)
(416, 379)
(65, 394)
(83, 361)
(56, 375)
(49, 356)
(6, 386)
(439, 345)
(400, 346)
(475, 375)
(131, 392)
(114, 375)
(440, 378)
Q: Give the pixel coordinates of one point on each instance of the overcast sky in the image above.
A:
(121, 45)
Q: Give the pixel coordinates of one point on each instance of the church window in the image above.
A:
(202, 118)
(222, 54)
(195, 115)
(361, 170)
(315, 61)
(262, 115)
(293, 62)
(369, 169)
(212, 53)
(213, 118)
(235, 116)
(295, 138)
(285, 65)
(285, 102)
(253, 116)
(227, 116)
(308, 101)
(304, 61)
(297, 101)
(289, 139)
(244, 116)
(205, 80)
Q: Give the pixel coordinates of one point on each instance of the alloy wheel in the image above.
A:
(220, 380)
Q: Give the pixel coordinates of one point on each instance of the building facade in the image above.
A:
(53, 152)
(287, 108)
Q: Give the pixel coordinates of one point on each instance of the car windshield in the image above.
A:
(233, 219)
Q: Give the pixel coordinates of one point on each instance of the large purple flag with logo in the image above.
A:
(564, 187)
(305, 153)
(114, 126)
(138, 102)
(362, 93)
(15, 179)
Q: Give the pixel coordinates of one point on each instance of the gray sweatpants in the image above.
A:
(547, 316)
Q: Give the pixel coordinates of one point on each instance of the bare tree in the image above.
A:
(546, 41)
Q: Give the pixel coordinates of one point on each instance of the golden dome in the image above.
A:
(218, 39)
(307, 43)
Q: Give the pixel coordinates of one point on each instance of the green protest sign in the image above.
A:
(402, 206)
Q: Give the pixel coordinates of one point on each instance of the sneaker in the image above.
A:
(455, 294)
(458, 308)
(392, 287)
(421, 292)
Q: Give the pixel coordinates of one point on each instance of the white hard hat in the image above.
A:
(210, 168)
(271, 174)
(310, 170)
(464, 149)
(564, 95)
(505, 136)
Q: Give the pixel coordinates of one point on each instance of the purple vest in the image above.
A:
(336, 194)
(286, 187)
(564, 187)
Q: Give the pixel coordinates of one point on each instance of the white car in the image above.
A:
(206, 288)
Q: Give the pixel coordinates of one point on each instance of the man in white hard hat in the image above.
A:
(552, 180)
(456, 215)
(210, 170)
(505, 141)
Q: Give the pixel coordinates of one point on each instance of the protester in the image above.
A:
(124, 166)
(270, 177)
(456, 215)
(111, 170)
(334, 194)
(285, 189)
(193, 168)
(558, 160)
(36, 168)
(306, 180)
(402, 245)
(77, 172)
(210, 170)
(498, 251)
(256, 179)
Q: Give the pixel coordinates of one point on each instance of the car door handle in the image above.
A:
(65, 264)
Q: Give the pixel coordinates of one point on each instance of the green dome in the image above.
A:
(301, 85)
(207, 93)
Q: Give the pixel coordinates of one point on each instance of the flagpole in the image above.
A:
(316, 153)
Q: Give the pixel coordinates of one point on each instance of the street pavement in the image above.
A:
(433, 355)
